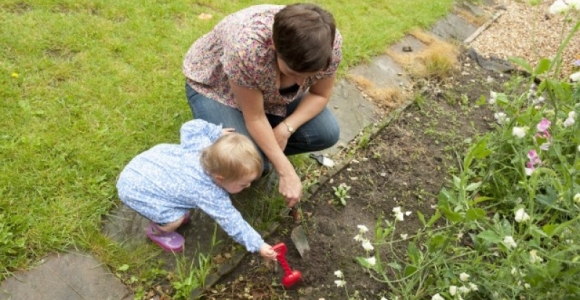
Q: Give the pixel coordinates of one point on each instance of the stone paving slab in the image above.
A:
(70, 276)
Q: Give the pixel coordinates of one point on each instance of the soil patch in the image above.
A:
(404, 165)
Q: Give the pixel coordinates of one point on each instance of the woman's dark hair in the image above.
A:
(303, 36)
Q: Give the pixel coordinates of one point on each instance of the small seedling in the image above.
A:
(341, 193)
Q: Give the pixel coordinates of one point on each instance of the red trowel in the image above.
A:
(291, 277)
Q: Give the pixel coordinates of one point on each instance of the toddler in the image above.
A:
(210, 163)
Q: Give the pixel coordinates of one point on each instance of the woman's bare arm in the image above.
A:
(251, 103)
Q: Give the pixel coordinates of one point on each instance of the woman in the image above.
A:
(268, 71)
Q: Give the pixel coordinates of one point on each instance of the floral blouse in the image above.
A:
(239, 48)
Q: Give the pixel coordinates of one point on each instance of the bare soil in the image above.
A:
(405, 164)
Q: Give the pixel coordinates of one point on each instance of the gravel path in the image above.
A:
(529, 32)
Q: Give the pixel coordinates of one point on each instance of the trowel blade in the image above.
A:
(299, 239)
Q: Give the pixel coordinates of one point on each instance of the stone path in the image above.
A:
(80, 276)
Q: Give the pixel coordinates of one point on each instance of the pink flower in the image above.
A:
(543, 125)
(534, 158)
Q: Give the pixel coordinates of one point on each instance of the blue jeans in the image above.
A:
(319, 133)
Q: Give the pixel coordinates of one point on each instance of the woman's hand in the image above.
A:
(290, 187)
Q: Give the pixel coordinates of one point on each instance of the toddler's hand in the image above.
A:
(227, 130)
(267, 252)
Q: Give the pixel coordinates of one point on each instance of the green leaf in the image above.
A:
(576, 95)
(481, 151)
(473, 186)
(410, 270)
(549, 198)
(474, 214)
(481, 199)
(123, 268)
(435, 243)
(434, 218)
(542, 66)
(450, 215)
(553, 229)
(421, 218)
(457, 182)
(395, 266)
(414, 254)
(489, 236)
(363, 262)
(445, 197)
(522, 63)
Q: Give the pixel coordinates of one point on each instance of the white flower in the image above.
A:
(529, 171)
(575, 76)
(559, 6)
(508, 240)
(408, 213)
(577, 198)
(501, 118)
(519, 132)
(398, 213)
(452, 290)
(521, 215)
(571, 116)
(338, 273)
(371, 261)
(437, 297)
(362, 228)
(578, 148)
(545, 146)
(404, 235)
(464, 276)
(340, 283)
(514, 271)
(464, 289)
(366, 244)
(358, 238)
(492, 97)
(534, 258)
(539, 100)
(473, 287)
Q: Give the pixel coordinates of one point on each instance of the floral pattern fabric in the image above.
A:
(239, 48)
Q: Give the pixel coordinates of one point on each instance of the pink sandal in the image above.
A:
(169, 241)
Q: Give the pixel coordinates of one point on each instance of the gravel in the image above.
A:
(529, 32)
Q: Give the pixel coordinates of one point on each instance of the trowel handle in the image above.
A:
(281, 250)
(295, 213)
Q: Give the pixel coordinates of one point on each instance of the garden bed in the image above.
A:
(405, 165)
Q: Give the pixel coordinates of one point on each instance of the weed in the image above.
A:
(189, 275)
(341, 193)
(365, 137)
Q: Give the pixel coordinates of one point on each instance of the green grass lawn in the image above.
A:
(87, 85)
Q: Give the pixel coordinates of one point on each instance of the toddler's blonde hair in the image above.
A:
(231, 156)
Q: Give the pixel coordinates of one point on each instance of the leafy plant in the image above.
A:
(341, 193)
(512, 211)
